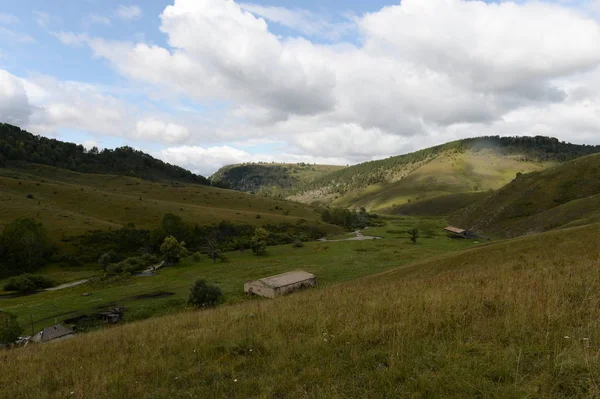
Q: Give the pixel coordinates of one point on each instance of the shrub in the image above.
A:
(297, 244)
(104, 261)
(27, 283)
(259, 242)
(30, 196)
(172, 249)
(414, 234)
(203, 295)
(9, 328)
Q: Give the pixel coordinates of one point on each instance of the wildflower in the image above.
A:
(235, 380)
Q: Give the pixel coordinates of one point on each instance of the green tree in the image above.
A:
(104, 261)
(174, 226)
(9, 328)
(414, 235)
(259, 242)
(26, 244)
(213, 246)
(172, 249)
(203, 295)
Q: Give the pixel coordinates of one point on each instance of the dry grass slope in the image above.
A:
(512, 319)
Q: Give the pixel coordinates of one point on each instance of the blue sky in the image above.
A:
(216, 81)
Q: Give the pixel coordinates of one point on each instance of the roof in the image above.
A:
(54, 332)
(284, 279)
(455, 230)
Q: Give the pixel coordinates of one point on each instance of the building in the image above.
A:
(280, 284)
(54, 333)
(458, 232)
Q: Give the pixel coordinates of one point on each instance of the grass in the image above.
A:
(511, 319)
(443, 205)
(331, 262)
(70, 203)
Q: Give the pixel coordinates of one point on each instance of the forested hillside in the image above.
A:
(19, 145)
(468, 165)
(271, 179)
(563, 196)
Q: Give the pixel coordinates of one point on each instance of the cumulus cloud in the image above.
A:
(14, 103)
(154, 129)
(131, 12)
(96, 19)
(422, 73)
(8, 19)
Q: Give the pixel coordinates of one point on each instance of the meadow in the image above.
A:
(509, 319)
(332, 262)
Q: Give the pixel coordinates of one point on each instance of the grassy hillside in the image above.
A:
(443, 205)
(332, 262)
(565, 195)
(467, 165)
(274, 179)
(69, 203)
(511, 319)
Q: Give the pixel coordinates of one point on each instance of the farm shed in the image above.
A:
(280, 284)
(54, 333)
(458, 232)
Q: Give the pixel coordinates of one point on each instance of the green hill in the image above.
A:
(512, 319)
(444, 205)
(562, 196)
(271, 179)
(19, 145)
(478, 164)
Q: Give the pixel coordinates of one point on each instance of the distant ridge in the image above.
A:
(19, 145)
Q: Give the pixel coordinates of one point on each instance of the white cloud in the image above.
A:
(423, 72)
(44, 19)
(15, 37)
(130, 12)
(303, 21)
(14, 103)
(96, 19)
(8, 19)
(154, 129)
(207, 160)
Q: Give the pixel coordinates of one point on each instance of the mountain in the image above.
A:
(563, 196)
(19, 145)
(274, 179)
(469, 165)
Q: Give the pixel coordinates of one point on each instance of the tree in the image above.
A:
(259, 242)
(203, 295)
(213, 245)
(172, 249)
(27, 283)
(9, 328)
(414, 235)
(104, 261)
(174, 226)
(26, 244)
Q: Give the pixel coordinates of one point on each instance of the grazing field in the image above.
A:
(331, 262)
(70, 203)
(511, 319)
(443, 205)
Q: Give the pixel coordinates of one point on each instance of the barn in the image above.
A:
(280, 284)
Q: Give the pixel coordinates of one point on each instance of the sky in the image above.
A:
(205, 83)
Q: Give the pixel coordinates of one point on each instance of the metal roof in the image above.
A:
(454, 229)
(54, 332)
(284, 279)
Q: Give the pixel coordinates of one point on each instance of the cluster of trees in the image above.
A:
(350, 219)
(26, 283)
(537, 148)
(19, 145)
(24, 247)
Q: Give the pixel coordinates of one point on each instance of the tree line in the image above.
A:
(20, 145)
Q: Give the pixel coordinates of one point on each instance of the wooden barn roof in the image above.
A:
(281, 280)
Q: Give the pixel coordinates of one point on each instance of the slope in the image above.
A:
(565, 195)
(69, 203)
(468, 165)
(512, 319)
(269, 178)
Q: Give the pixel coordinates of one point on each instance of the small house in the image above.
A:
(280, 284)
(54, 333)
